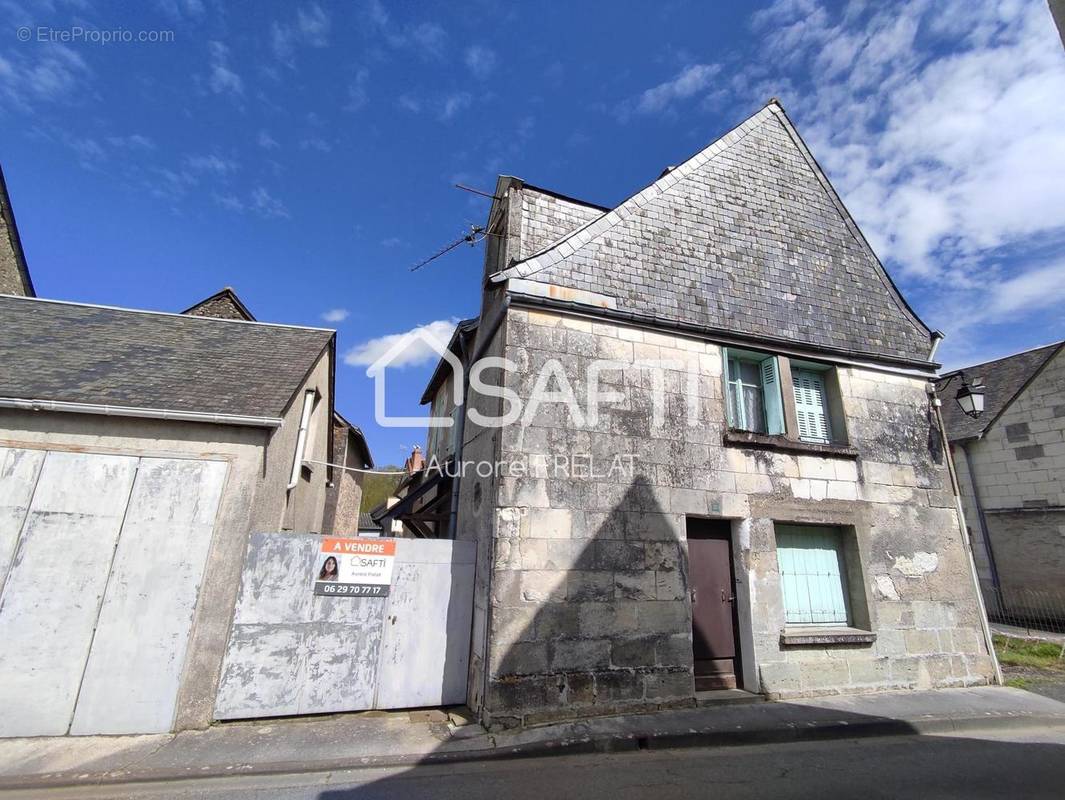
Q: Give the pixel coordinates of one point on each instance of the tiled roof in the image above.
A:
(747, 236)
(136, 359)
(1003, 380)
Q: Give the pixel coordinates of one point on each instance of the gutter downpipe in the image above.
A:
(985, 626)
(985, 533)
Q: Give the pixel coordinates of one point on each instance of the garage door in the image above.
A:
(101, 558)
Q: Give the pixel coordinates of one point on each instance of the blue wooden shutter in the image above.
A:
(811, 577)
(774, 406)
(811, 406)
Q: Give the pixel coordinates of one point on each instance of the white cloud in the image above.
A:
(211, 164)
(429, 38)
(1043, 287)
(481, 61)
(409, 102)
(416, 353)
(311, 28)
(455, 103)
(266, 205)
(692, 80)
(134, 141)
(266, 141)
(43, 72)
(222, 79)
(358, 95)
(316, 143)
(336, 315)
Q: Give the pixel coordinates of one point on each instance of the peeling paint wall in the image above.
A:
(98, 599)
(291, 652)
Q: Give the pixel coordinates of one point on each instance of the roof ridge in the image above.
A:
(954, 372)
(166, 313)
(551, 254)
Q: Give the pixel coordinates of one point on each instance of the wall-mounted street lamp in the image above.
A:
(970, 397)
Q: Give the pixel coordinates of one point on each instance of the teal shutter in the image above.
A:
(774, 406)
(811, 580)
(811, 406)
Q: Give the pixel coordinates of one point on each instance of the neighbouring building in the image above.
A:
(787, 522)
(138, 451)
(1011, 469)
(350, 455)
(14, 276)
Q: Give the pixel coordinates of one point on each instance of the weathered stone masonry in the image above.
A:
(582, 603)
(589, 603)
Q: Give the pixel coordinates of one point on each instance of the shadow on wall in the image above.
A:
(590, 613)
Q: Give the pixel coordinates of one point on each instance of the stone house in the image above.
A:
(138, 451)
(783, 518)
(1011, 470)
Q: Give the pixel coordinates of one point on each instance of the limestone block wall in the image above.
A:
(589, 610)
(1019, 469)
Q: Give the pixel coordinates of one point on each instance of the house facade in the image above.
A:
(1011, 469)
(763, 501)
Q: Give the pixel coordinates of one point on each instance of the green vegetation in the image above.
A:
(1015, 652)
(378, 488)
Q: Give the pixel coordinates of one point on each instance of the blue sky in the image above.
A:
(304, 153)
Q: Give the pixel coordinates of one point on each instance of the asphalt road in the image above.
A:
(1006, 765)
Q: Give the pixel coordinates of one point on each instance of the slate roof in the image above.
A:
(1004, 379)
(745, 237)
(223, 304)
(136, 359)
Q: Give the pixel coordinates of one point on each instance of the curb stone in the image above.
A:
(609, 743)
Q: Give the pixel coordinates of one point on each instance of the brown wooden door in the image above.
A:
(713, 604)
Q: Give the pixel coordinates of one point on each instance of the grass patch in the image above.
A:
(1019, 683)
(1028, 653)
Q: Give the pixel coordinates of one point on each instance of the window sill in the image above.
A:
(734, 438)
(800, 636)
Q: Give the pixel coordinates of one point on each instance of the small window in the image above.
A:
(811, 575)
(811, 406)
(754, 402)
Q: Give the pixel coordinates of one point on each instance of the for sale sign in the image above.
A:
(355, 567)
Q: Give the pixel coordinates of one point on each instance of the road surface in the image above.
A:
(992, 765)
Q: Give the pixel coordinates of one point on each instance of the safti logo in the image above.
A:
(414, 341)
(602, 381)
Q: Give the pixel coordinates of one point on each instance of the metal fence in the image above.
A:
(1031, 609)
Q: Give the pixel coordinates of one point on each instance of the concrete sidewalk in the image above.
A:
(356, 740)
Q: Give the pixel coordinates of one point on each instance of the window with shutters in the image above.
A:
(812, 575)
(811, 406)
(753, 391)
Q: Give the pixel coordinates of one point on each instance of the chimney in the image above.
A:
(415, 462)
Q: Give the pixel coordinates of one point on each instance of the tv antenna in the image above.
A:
(476, 234)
